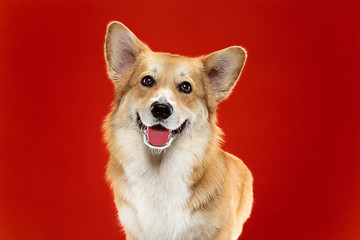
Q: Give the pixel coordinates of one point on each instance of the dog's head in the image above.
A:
(162, 95)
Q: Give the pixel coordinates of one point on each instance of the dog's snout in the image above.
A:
(161, 110)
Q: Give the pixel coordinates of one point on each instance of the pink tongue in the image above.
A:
(158, 137)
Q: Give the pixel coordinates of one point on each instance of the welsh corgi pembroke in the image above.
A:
(171, 180)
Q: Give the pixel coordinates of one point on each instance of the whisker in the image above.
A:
(127, 126)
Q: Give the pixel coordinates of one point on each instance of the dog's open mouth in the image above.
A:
(158, 135)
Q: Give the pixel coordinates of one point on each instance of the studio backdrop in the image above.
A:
(293, 117)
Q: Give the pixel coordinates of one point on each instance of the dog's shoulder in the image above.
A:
(237, 167)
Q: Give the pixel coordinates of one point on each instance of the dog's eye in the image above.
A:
(147, 81)
(185, 87)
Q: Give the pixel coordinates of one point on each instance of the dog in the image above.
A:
(169, 176)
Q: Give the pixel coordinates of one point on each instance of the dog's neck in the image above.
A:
(155, 156)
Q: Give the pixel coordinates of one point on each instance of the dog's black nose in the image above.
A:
(160, 110)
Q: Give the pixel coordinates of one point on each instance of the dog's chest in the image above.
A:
(159, 198)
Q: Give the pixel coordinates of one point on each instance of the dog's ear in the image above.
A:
(223, 69)
(121, 49)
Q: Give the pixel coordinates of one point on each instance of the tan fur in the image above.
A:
(220, 184)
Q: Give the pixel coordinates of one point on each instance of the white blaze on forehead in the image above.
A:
(164, 96)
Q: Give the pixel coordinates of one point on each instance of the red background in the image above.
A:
(293, 117)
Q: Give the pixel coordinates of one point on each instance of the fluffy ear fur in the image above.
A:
(223, 69)
(121, 49)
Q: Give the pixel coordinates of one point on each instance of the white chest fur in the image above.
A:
(159, 191)
(159, 199)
